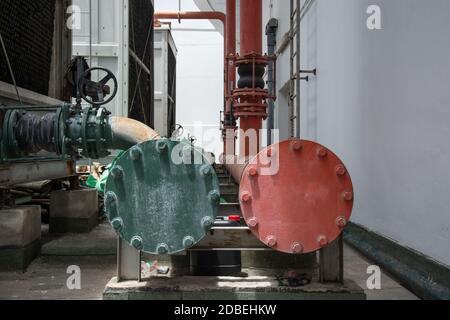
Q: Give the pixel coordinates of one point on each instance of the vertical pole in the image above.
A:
(271, 32)
(297, 70)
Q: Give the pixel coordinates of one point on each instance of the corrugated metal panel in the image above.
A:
(27, 28)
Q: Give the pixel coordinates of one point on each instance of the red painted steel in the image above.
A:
(250, 107)
(229, 127)
(304, 205)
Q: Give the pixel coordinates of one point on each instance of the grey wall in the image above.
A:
(381, 101)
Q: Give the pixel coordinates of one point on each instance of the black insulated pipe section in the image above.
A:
(35, 133)
(246, 76)
(271, 32)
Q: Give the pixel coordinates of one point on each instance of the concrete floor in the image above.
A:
(46, 278)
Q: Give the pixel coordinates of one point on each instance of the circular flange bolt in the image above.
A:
(110, 198)
(188, 242)
(301, 206)
(214, 197)
(137, 242)
(117, 224)
(117, 172)
(206, 171)
(207, 223)
(162, 145)
(136, 154)
(162, 249)
(297, 248)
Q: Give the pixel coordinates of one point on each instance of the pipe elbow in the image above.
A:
(126, 133)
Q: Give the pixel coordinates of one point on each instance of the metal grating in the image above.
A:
(141, 87)
(27, 28)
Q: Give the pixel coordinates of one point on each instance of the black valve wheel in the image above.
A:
(94, 92)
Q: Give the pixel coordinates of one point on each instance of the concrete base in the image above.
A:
(20, 237)
(228, 288)
(18, 259)
(73, 211)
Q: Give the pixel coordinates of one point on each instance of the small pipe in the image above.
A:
(126, 133)
(201, 15)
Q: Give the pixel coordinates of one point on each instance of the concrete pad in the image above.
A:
(101, 241)
(20, 236)
(20, 226)
(74, 211)
(228, 288)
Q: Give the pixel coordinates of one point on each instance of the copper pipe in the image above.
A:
(126, 133)
(201, 15)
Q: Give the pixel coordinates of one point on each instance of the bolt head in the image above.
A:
(117, 172)
(214, 197)
(207, 222)
(297, 248)
(206, 171)
(162, 145)
(246, 196)
(136, 154)
(117, 224)
(252, 172)
(322, 153)
(137, 242)
(322, 240)
(188, 242)
(348, 196)
(271, 241)
(341, 171)
(341, 222)
(110, 198)
(297, 145)
(253, 222)
(162, 248)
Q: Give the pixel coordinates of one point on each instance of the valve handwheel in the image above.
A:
(90, 89)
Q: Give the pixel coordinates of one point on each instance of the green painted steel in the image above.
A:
(162, 196)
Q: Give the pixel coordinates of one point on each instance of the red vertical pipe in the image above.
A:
(251, 42)
(251, 27)
(230, 50)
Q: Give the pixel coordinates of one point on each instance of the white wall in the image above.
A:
(381, 100)
(199, 75)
